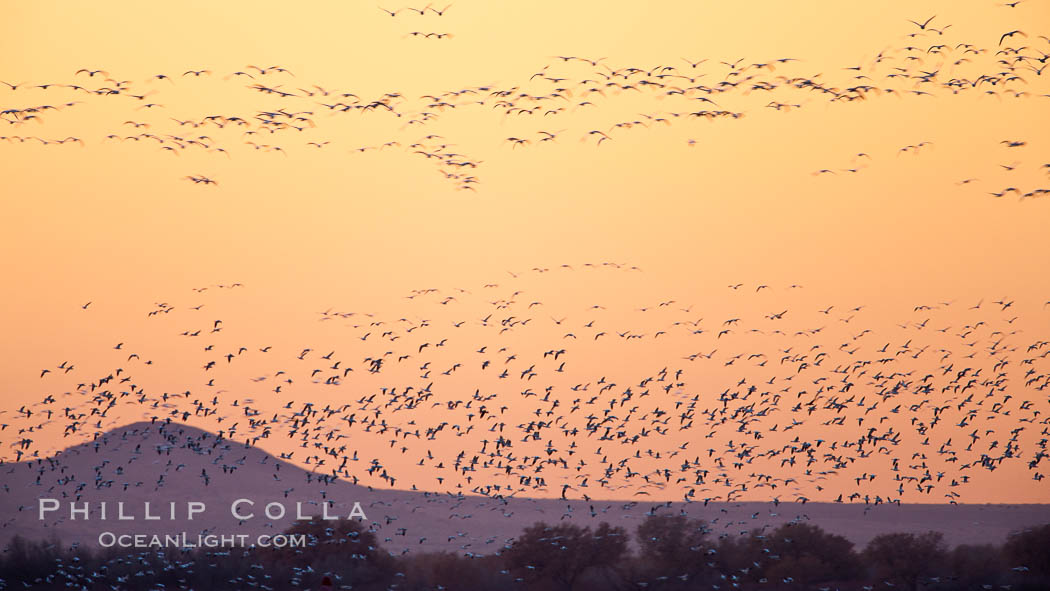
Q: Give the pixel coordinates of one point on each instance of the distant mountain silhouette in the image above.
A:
(165, 463)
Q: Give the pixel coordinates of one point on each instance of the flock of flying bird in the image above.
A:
(304, 115)
(492, 392)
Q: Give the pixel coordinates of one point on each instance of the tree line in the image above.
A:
(667, 552)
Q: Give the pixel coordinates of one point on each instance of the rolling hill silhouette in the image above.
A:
(170, 465)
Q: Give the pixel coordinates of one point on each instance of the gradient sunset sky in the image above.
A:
(685, 207)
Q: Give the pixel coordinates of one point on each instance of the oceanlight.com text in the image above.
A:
(108, 539)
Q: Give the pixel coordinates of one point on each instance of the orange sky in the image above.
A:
(697, 204)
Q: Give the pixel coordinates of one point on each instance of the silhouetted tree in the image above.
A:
(345, 547)
(561, 554)
(973, 566)
(671, 550)
(25, 560)
(802, 554)
(447, 570)
(1030, 549)
(671, 540)
(740, 558)
(907, 559)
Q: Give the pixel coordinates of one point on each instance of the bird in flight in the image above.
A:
(200, 179)
(923, 25)
(1011, 34)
